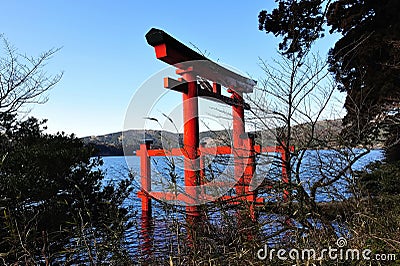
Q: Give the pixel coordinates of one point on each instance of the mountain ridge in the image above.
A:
(114, 144)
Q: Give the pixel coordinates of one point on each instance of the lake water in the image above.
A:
(165, 221)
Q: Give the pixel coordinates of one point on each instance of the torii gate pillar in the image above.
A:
(238, 133)
(190, 138)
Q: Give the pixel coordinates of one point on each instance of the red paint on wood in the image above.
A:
(238, 147)
(145, 178)
(191, 140)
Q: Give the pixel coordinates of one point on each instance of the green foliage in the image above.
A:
(365, 61)
(53, 200)
(380, 178)
(299, 22)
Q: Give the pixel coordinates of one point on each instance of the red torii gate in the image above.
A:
(191, 65)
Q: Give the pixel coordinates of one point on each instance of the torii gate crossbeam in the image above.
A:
(190, 65)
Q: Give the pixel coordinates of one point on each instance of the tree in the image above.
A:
(55, 204)
(23, 79)
(289, 106)
(364, 61)
(299, 22)
(56, 207)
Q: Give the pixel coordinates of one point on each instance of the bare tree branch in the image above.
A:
(23, 79)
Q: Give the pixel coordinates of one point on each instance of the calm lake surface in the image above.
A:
(116, 168)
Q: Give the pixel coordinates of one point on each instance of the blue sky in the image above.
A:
(105, 57)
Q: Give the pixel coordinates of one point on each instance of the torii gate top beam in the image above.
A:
(173, 52)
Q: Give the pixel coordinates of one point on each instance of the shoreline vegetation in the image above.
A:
(113, 144)
(59, 206)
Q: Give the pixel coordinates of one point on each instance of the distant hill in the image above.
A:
(113, 144)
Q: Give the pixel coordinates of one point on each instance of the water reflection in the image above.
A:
(164, 233)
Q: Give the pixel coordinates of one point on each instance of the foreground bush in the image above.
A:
(55, 205)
